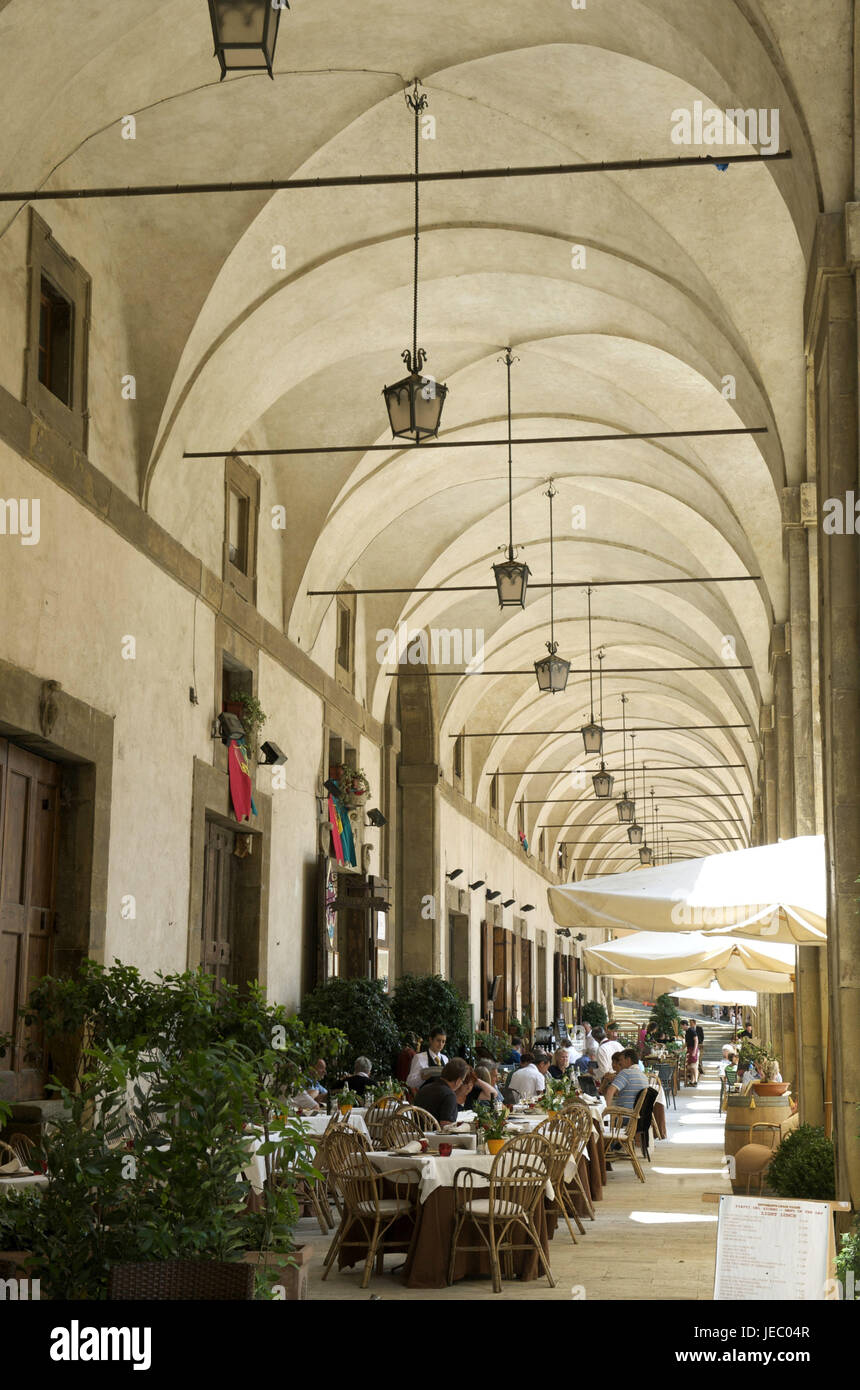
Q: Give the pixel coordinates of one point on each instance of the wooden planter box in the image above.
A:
(294, 1278)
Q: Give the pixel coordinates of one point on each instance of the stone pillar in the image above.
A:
(831, 346)
(780, 667)
(420, 904)
(810, 1035)
(768, 743)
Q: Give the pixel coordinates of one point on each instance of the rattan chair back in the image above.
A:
(378, 1116)
(181, 1280)
(406, 1125)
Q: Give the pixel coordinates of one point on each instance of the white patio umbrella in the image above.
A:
(695, 959)
(717, 996)
(770, 893)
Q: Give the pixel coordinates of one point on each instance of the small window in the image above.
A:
(344, 637)
(56, 316)
(237, 531)
(494, 792)
(345, 641)
(55, 379)
(521, 818)
(458, 758)
(241, 517)
(542, 847)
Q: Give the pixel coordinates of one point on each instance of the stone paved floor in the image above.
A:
(651, 1240)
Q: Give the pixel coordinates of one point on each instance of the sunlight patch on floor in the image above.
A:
(665, 1218)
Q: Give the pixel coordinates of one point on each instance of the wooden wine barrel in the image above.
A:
(739, 1116)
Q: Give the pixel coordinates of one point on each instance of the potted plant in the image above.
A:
(384, 1091)
(491, 1123)
(347, 1100)
(253, 718)
(803, 1166)
(765, 1062)
(354, 786)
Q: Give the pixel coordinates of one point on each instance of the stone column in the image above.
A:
(810, 1035)
(420, 904)
(831, 346)
(780, 667)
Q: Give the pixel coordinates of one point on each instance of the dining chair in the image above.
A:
(181, 1280)
(581, 1117)
(22, 1148)
(667, 1072)
(561, 1132)
(366, 1210)
(620, 1128)
(406, 1125)
(377, 1118)
(517, 1183)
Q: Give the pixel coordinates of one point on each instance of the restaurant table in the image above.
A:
(430, 1246)
(22, 1181)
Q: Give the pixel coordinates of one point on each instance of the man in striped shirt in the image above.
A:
(630, 1079)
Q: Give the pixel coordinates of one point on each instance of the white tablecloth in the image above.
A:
(24, 1181)
(313, 1126)
(318, 1124)
(437, 1172)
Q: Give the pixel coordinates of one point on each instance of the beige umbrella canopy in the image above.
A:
(774, 893)
(695, 959)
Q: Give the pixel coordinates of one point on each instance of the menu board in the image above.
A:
(771, 1248)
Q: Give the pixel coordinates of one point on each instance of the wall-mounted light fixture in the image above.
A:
(497, 893)
(273, 756)
(508, 902)
(479, 883)
(228, 727)
(527, 907)
(376, 818)
(454, 873)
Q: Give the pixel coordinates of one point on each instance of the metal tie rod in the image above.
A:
(172, 190)
(640, 729)
(399, 448)
(557, 584)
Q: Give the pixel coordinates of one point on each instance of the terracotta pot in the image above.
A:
(345, 1109)
(293, 1279)
(551, 1114)
(770, 1088)
(494, 1145)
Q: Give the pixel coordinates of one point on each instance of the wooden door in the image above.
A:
(29, 810)
(218, 901)
(527, 1003)
(501, 960)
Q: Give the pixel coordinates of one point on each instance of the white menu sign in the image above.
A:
(770, 1248)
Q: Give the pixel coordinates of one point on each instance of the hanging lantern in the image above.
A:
(646, 855)
(415, 403)
(245, 34)
(635, 833)
(552, 671)
(626, 811)
(512, 578)
(603, 783)
(592, 738)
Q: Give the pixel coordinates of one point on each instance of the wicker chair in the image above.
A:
(620, 1130)
(518, 1178)
(20, 1147)
(582, 1119)
(407, 1124)
(322, 1158)
(668, 1074)
(366, 1211)
(562, 1133)
(377, 1118)
(181, 1280)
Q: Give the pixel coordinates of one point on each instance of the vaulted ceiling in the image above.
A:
(690, 277)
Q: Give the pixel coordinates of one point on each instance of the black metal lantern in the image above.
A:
(415, 403)
(512, 581)
(625, 807)
(245, 34)
(552, 671)
(646, 855)
(512, 577)
(603, 783)
(592, 733)
(592, 738)
(635, 833)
